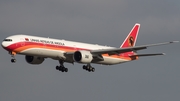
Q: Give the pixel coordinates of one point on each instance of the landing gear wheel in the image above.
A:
(13, 60)
(66, 69)
(57, 67)
(93, 70)
(89, 68)
(61, 67)
(84, 67)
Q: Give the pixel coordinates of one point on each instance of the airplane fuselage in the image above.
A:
(55, 49)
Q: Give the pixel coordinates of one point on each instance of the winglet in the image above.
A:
(163, 53)
(174, 41)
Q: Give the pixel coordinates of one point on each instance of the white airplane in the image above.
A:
(36, 49)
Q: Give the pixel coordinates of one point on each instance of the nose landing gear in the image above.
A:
(13, 60)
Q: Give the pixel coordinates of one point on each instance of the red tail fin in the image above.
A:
(130, 40)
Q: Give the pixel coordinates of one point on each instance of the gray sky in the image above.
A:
(105, 22)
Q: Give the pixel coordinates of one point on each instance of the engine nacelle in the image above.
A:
(34, 59)
(82, 56)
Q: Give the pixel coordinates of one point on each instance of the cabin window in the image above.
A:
(7, 39)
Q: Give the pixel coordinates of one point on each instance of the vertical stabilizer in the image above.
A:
(130, 40)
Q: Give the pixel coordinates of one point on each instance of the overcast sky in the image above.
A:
(105, 22)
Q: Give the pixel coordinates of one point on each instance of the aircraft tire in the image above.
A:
(13, 60)
(66, 69)
(57, 67)
(84, 67)
(93, 69)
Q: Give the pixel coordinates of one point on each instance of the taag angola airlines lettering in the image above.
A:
(45, 41)
(37, 49)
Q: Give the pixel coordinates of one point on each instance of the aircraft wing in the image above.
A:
(122, 50)
(114, 51)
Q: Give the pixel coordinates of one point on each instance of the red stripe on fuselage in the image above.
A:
(18, 45)
(22, 46)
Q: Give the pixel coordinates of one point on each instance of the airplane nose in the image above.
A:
(3, 44)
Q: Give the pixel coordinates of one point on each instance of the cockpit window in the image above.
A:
(7, 39)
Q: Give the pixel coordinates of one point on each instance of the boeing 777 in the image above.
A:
(37, 49)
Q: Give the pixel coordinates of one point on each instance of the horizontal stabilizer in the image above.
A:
(139, 55)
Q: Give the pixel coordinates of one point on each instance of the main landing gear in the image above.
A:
(61, 67)
(89, 68)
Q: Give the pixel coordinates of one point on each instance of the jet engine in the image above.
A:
(34, 59)
(82, 56)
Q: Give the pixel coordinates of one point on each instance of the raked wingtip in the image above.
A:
(174, 41)
(163, 53)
